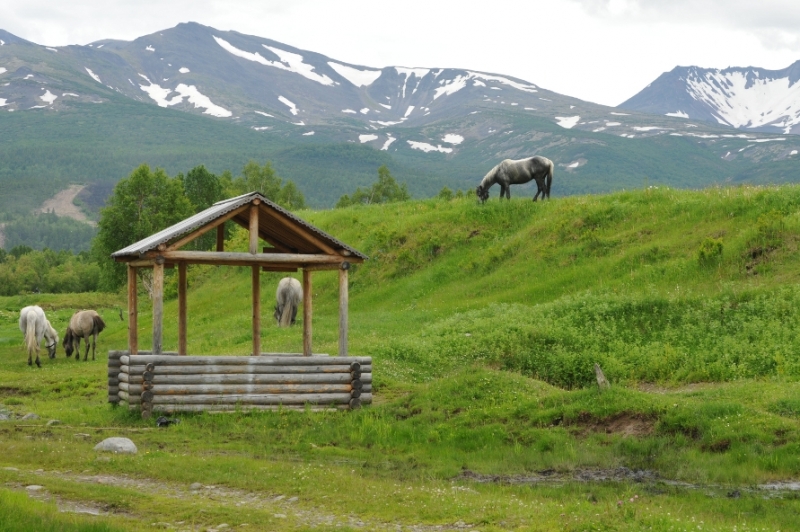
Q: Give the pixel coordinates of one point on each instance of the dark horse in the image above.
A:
(510, 172)
(83, 324)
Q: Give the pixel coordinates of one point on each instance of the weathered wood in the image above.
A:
(355, 375)
(256, 309)
(306, 313)
(321, 267)
(249, 259)
(288, 360)
(238, 389)
(113, 390)
(147, 395)
(182, 308)
(343, 304)
(355, 402)
(215, 408)
(356, 385)
(133, 312)
(248, 378)
(296, 228)
(221, 236)
(219, 223)
(158, 306)
(123, 395)
(135, 372)
(355, 393)
(254, 399)
(254, 228)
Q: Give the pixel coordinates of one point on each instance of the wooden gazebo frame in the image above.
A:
(294, 244)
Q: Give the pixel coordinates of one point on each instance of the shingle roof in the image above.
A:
(281, 233)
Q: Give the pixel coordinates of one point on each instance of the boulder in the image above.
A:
(116, 445)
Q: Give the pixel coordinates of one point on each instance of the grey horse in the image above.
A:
(83, 324)
(510, 172)
(288, 297)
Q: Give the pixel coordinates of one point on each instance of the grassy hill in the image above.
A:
(484, 322)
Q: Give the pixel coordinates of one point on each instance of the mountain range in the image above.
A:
(194, 95)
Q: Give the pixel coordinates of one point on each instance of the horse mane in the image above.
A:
(99, 324)
(490, 176)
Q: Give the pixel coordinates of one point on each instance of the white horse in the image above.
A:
(288, 295)
(34, 324)
(510, 172)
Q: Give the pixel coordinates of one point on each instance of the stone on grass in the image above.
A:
(30, 416)
(116, 445)
(53, 422)
(195, 486)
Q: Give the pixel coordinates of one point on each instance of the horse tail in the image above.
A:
(286, 315)
(31, 343)
(99, 324)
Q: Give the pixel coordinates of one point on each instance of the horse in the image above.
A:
(288, 295)
(34, 324)
(83, 324)
(510, 172)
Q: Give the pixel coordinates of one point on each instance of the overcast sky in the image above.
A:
(603, 51)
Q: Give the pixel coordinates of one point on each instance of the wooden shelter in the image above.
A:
(293, 244)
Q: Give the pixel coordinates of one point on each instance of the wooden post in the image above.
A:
(221, 237)
(343, 303)
(256, 310)
(158, 304)
(306, 313)
(254, 227)
(182, 308)
(133, 312)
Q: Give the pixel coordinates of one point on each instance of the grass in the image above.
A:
(484, 323)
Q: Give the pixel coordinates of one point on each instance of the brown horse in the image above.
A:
(83, 324)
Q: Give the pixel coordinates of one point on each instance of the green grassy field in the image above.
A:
(484, 322)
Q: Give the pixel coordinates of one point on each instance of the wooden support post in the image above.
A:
(221, 237)
(343, 303)
(182, 308)
(256, 311)
(306, 313)
(133, 312)
(254, 227)
(158, 305)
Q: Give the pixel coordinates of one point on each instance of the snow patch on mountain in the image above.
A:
(568, 122)
(350, 111)
(70, 94)
(48, 97)
(200, 101)
(359, 78)
(184, 70)
(51, 49)
(452, 138)
(150, 48)
(454, 85)
(367, 138)
(3, 102)
(745, 99)
(289, 61)
(391, 139)
(3, 70)
(308, 134)
(418, 73)
(262, 113)
(94, 76)
(424, 146)
(285, 101)
(678, 114)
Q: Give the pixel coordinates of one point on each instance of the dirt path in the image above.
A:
(63, 204)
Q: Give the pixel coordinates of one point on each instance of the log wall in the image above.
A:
(169, 383)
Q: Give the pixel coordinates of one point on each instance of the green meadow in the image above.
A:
(484, 323)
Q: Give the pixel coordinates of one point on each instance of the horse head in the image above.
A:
(67, 343)
(278, 312)
(482, 193)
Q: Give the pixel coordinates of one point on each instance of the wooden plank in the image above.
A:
(249, 259)
(237, 389)
(259, 378)
(288, 360)
(254, 227)
(306, 313)
(158, 307)
(135, 372)
(218, 223)
(300, 230)
(133, 312)
(343, 304)
(254, 399)
(221, 236)
(221, 409)
(256, 272)
(182, 286)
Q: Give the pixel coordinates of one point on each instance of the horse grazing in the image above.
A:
(83, 324)
(288, 295)
(510, 172)
(34, 324)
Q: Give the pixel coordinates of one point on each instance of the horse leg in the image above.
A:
(94, 343)
(86, 342)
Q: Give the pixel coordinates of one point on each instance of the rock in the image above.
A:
(196, 486)
(34, 487)
(53, 422)
(117, 445)
(83, 435)
(292, 499)
(10, 469)
(28, 417)
(5, 416)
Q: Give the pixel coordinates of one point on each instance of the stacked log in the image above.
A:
(113, 375)
(168, 383)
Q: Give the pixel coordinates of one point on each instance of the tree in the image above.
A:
(385, 190)
(142, 204)
(202, 188)
(265, 180)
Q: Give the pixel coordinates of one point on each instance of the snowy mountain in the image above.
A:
(747, 98)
